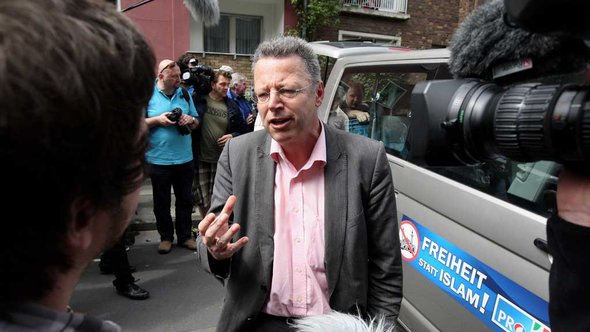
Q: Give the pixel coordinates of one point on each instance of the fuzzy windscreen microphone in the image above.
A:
(485, 47)
(204, 10)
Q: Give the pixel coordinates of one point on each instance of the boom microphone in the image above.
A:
(206, 10)
(485, 46)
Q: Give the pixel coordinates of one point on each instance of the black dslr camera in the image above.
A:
(546, 117)
(200, 77)
(174, 116)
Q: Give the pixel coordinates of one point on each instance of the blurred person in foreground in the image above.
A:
(313, 217)
(72, 128)
(568, 235)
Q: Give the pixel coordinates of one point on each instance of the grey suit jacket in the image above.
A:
(362, 256)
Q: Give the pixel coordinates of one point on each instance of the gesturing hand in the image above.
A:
(216, 234)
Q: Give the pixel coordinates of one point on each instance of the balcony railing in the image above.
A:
(390, 6)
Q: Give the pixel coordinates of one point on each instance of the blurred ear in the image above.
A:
(319, 94)
(80, 230)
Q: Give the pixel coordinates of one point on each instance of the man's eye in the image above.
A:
(289, 93)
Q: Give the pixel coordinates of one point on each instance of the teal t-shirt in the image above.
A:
(167, 145)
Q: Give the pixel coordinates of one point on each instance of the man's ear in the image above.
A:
(319, 94)
(80, 227)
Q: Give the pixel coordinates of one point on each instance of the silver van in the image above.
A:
(473, 237)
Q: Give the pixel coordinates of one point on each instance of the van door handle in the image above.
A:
(541, 244)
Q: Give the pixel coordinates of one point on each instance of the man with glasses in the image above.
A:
(221, 121)
(170, 116)
(317, 203)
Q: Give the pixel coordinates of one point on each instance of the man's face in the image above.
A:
(220, 86)
(241, 88)
(171, 77)
(290, 121)
(353, 98)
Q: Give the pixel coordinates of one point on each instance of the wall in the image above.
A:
(164, 23)
(431, 23)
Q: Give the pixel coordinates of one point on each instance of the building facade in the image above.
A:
(173, 33)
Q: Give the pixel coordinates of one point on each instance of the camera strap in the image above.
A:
(185, 96)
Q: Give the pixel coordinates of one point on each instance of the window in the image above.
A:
(217, 37)
(247, 34)
(233, 34)
(376, 102)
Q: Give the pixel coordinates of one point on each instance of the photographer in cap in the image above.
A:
(171, 116)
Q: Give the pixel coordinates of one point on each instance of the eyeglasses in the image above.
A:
(264, 97)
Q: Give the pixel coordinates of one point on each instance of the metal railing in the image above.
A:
(392, 6)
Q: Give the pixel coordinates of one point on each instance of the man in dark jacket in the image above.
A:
(221, 121)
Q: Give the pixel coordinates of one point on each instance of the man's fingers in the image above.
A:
(205, 223)
(228, 208)
(218, 224)
(228, 250)
(233, 247)
(225, 239)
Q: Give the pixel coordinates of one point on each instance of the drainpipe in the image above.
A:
(304, 26)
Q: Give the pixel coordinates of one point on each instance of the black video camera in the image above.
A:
(525, 119)
(200, 77)
(174, 116)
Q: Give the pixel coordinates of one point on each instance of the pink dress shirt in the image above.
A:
(299, 286)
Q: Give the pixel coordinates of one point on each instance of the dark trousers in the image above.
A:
(116, 258)
(179, 178)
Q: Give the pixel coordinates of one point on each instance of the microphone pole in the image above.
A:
(140, 3)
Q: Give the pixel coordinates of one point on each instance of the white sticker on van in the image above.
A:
(500, 303)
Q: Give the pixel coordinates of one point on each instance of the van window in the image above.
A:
(326, 65)
(374, 101)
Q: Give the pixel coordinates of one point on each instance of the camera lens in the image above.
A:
(472, 121)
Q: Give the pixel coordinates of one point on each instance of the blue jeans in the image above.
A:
(180, 178)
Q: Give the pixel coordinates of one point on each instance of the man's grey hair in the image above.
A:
(285, 46)
(341, 322)
(237, 78)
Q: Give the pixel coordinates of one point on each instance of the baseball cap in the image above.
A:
(227, 69)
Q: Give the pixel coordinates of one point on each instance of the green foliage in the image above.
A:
(291, 32)
(318, 14)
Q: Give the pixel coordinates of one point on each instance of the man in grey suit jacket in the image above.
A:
(251, 239)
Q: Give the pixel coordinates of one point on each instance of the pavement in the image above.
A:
(183, 296)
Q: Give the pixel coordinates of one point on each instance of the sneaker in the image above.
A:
(164, 247)
(189, 244)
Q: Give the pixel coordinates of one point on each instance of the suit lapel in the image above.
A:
(335, 207)
(264, 198)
